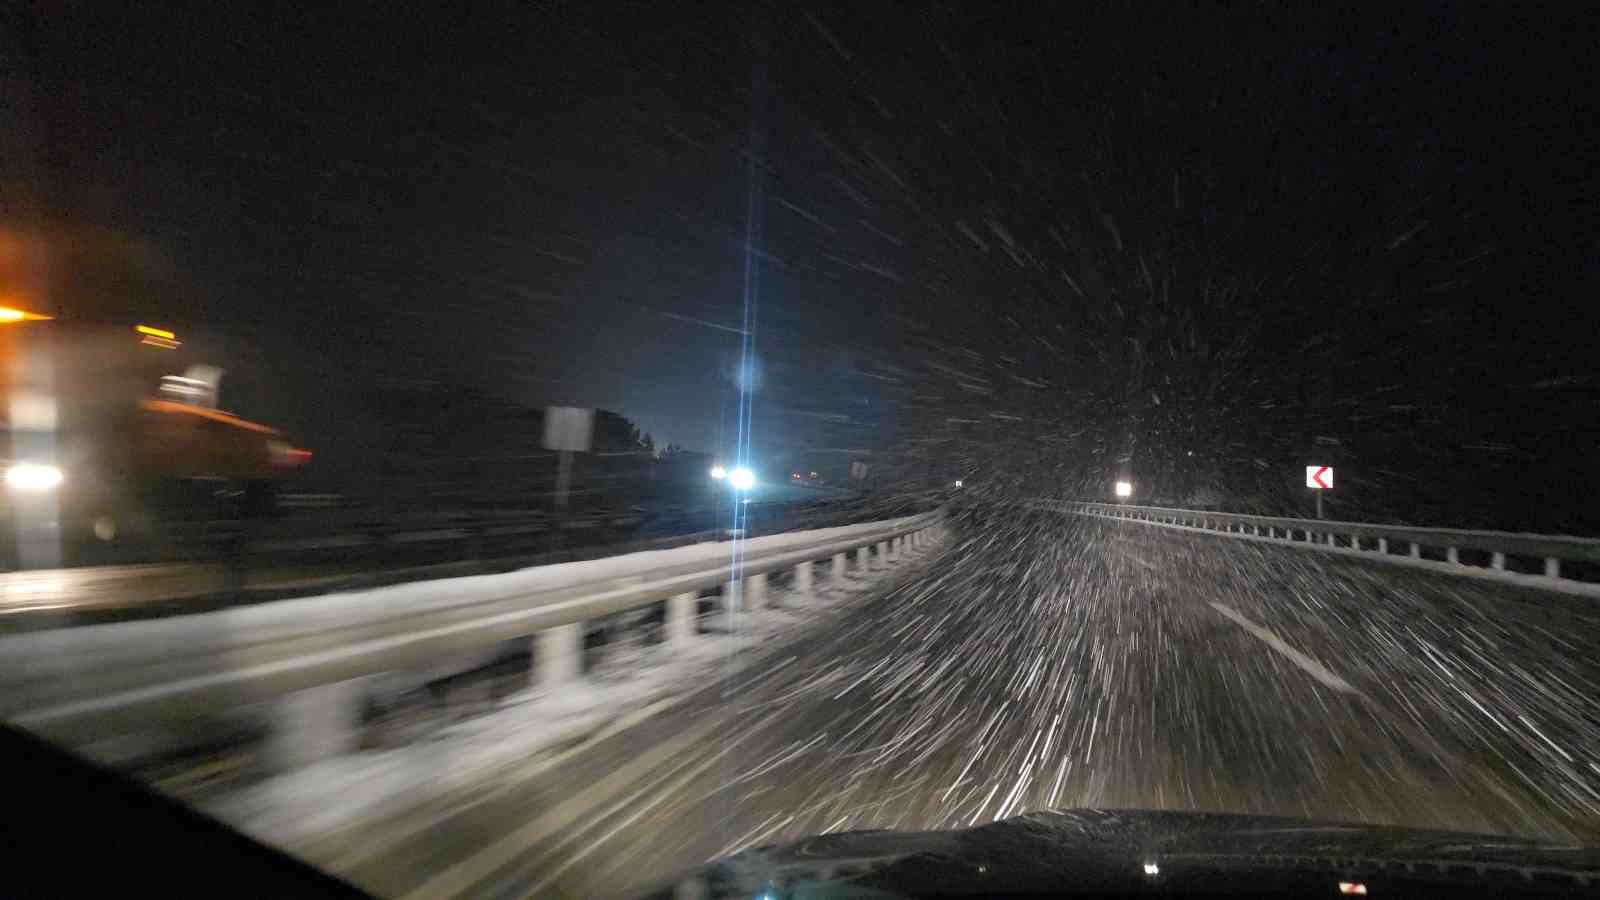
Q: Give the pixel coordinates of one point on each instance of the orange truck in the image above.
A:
(112, 431)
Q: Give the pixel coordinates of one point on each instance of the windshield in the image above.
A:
(576, 443)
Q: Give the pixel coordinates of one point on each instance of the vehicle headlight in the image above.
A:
(32, 477)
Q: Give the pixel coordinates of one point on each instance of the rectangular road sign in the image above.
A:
(568, 428)
(1319, 478)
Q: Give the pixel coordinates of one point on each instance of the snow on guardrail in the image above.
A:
(85, 684)
(1526, 560)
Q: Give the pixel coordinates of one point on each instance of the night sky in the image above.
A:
(1197, 248)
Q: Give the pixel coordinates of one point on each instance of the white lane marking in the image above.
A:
(1308, 665)
(463, 875)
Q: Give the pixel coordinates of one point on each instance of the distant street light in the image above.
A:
(719, 472)
(742, 479)
(1124, 490)
(958, 482)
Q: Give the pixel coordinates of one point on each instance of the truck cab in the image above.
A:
(113, 432)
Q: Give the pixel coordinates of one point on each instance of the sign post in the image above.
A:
(1319, 479)
(568, 430)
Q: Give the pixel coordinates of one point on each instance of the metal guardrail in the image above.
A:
(1400, 544)
(85, 684)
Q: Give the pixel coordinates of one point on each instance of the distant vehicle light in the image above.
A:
(32, 478)
(1124, 489)
(1152, 869)
(719, 472)
(1355, 888)
(742, 479)
(795, 475)
(960, 483)
(11, 314)
(155, 332)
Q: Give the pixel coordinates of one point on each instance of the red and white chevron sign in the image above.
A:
(1319, 478)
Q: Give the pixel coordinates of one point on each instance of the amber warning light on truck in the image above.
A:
(11, 314)
(158, 337)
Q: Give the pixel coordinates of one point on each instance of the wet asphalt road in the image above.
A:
(1062, 662)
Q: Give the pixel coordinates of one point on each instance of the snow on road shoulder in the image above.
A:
(297, 809)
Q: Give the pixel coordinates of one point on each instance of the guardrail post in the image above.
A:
(1552, 567)
(682, 610)
(1416, 551)
(755, 591)
(863, 558)
(1383, 546)
(559, 653)
(893, 555)
(802, 578)
(1330, 540)
(1355, 542)
(1498, 561)
(315, 724)
(1450, 556)
(883, 555)
(838, 567)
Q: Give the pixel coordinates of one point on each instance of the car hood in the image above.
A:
(1120, 852)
